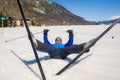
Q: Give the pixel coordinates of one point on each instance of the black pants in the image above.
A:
(59, 53)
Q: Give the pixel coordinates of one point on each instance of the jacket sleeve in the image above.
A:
(70, 42)
(46, 41)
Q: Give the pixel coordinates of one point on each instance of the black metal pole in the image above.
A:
(82, 52)
(30, 38)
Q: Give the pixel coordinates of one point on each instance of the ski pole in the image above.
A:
(30, 38)
(89, 46)
(21, 37)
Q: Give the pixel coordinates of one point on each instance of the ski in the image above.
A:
(32, 44)
(20, 37)
(89, 46)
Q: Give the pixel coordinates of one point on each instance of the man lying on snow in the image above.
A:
(59, 50)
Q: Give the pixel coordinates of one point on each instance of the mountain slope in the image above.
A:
(41, 12)
(114, 17)
(110, 20)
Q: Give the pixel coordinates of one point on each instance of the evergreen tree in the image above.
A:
(32, 22)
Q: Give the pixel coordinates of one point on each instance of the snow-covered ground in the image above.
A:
(17, 61)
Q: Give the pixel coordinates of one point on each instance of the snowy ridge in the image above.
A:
(102, 62)
(114, 17)
(110, 20)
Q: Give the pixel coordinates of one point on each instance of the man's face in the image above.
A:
(58, 40)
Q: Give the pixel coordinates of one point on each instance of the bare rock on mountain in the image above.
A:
(41, 12)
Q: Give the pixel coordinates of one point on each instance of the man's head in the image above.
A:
(58, 40)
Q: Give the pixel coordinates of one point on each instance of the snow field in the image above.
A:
(101, 63)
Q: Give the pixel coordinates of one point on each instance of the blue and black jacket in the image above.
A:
(57, 45)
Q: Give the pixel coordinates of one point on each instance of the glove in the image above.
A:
(45, 31)
(70, 33)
